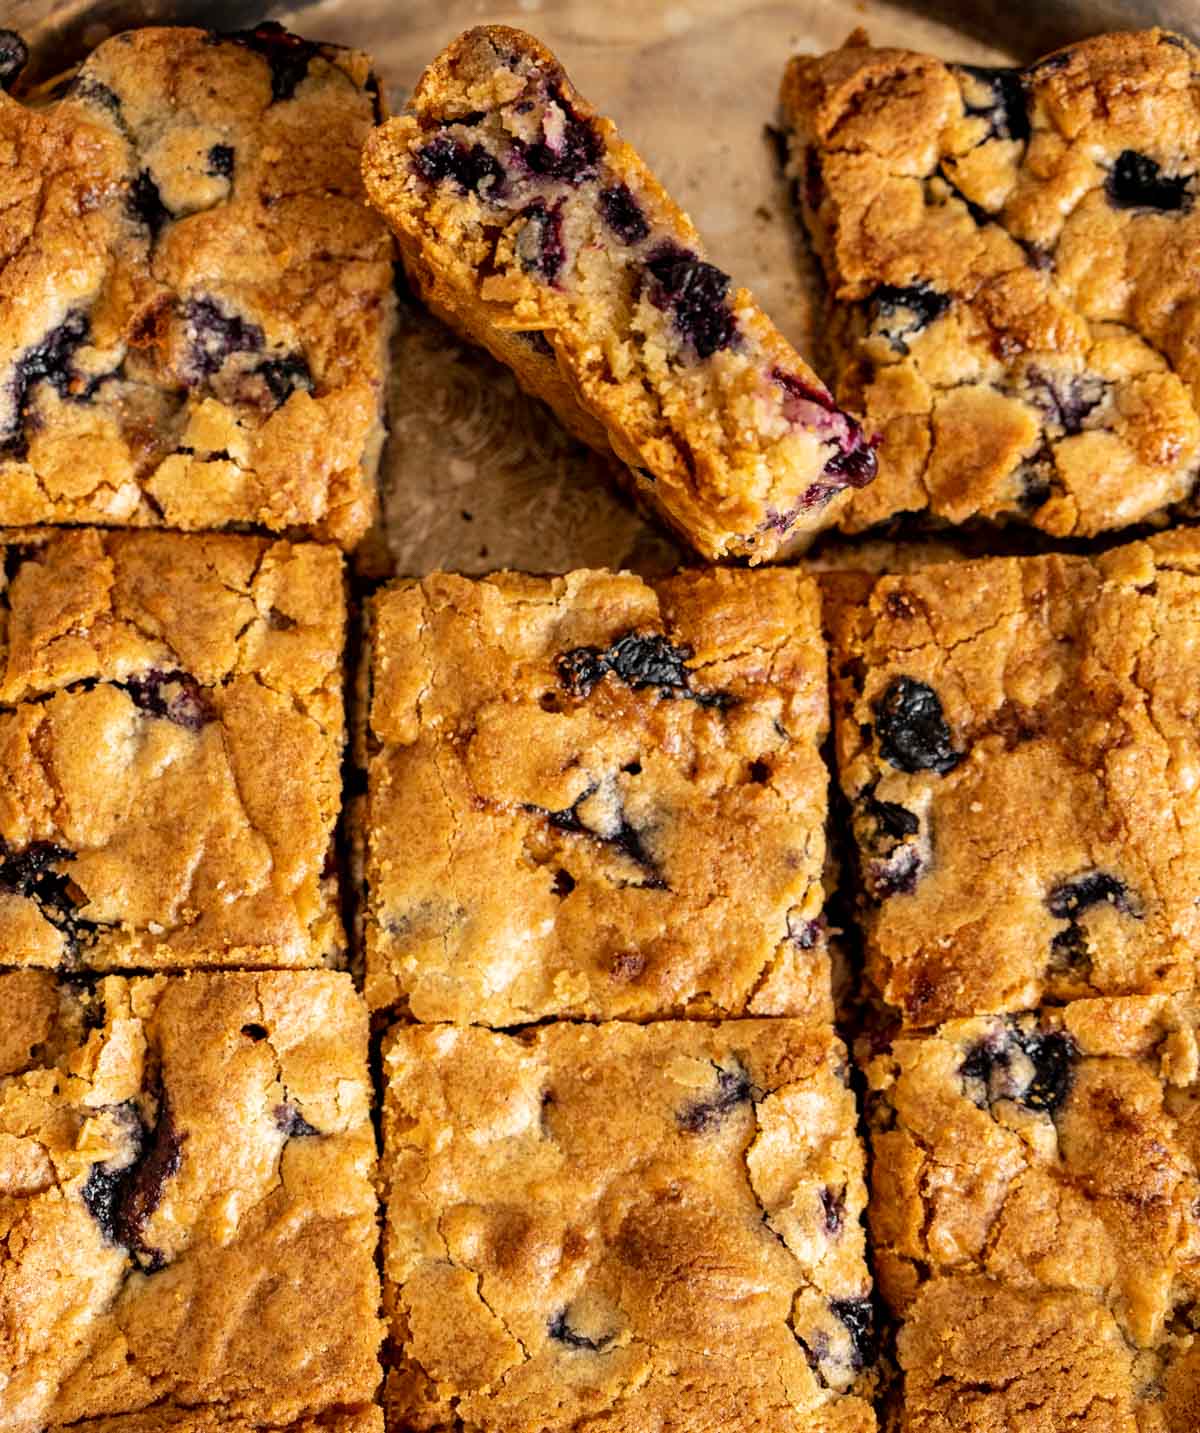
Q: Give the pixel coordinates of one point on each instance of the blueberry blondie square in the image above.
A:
(186, 1202)
(527, 223)
(597, 796)
(171, 732)
(1034, 1216)
(1018, 741)
(195, 297)
(1011, 261)
(624, 1226)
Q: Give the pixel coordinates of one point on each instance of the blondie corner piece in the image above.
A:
(1011, 256)
(186, 1200)
(528, 224)
(195, 298)
(625, 1226)
(1018, 742)
(171, 732)
(597, 796)
(1034, 1216)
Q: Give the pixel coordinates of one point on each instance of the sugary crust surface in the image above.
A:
(365, 1419)
(713, 442)
(171, 730)
(186, 1205)
(1011, 257)
(597, 796)
(1018, 742)
(624, 1227)
(195, 300)
(1054, 1150)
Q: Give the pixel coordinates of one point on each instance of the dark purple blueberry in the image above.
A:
(283, 376)
(1069, 950)
(896, 874)
(626, 838)
(1067, 900)
(1065, 398)
(14, 55)
(1137, 182)
(898, 312)
(214, 336)
(856, 465)
(31, 873)
(293, 1124)
(141, 1196)
(733, 1089)
(833, 1203)
(1051, 1056)
(913, 734)
(123, 1200)
(287, 55)
(146, 206)
(1005, 108)
(49, 361)
(574, 157)
(92, 91)
(474, 170)
(796, 388)
(1036, 478)
(560, 1329)
(892, 822)
(696, 294)
(541, 245)
(805, 934)
(623, 214)
(220, 161)
(641, 662)
(858, 1315)
(175, 696)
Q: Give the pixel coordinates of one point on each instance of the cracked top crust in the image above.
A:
(186, 1209)
(1054, 1152)
(1011, 257)
(1018, 739)
(196, 301)
(625, 1226)
(528, 223)
(171, 729)
(593, 795)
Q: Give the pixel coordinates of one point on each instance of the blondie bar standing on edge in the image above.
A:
(1011, 258)
(1035, 1216)
(1019, 741)
(171, 732)
(596, 796)
(196, 299)
(624, 1226)
(186, 1199)
(528, 224)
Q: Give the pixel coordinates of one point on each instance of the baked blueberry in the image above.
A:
(541, 244)
(146, 205)
(622, 214)
(287, 55)
(574, 154)
(696, 294)
(1137, 182)
(1004, 107)
(293, 1124)
(733, 1089)
(898, 312)
(220, 161)
(1070, 898)
(1019, 1062)
(283, 376)
(625, 838)
(913, 734)
(858, 1315)
(560, 1329)
(49, 361)
(833, 1204)
(475, 170)
(176, 696)
(641, 661)
(214, 335)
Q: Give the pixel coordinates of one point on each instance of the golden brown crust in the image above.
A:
(171, 729)
(624, 1226)
(186, 1202)
(547, 836)
(196, 300)
(728, 434)
(1010, 256)
(1017, 738)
